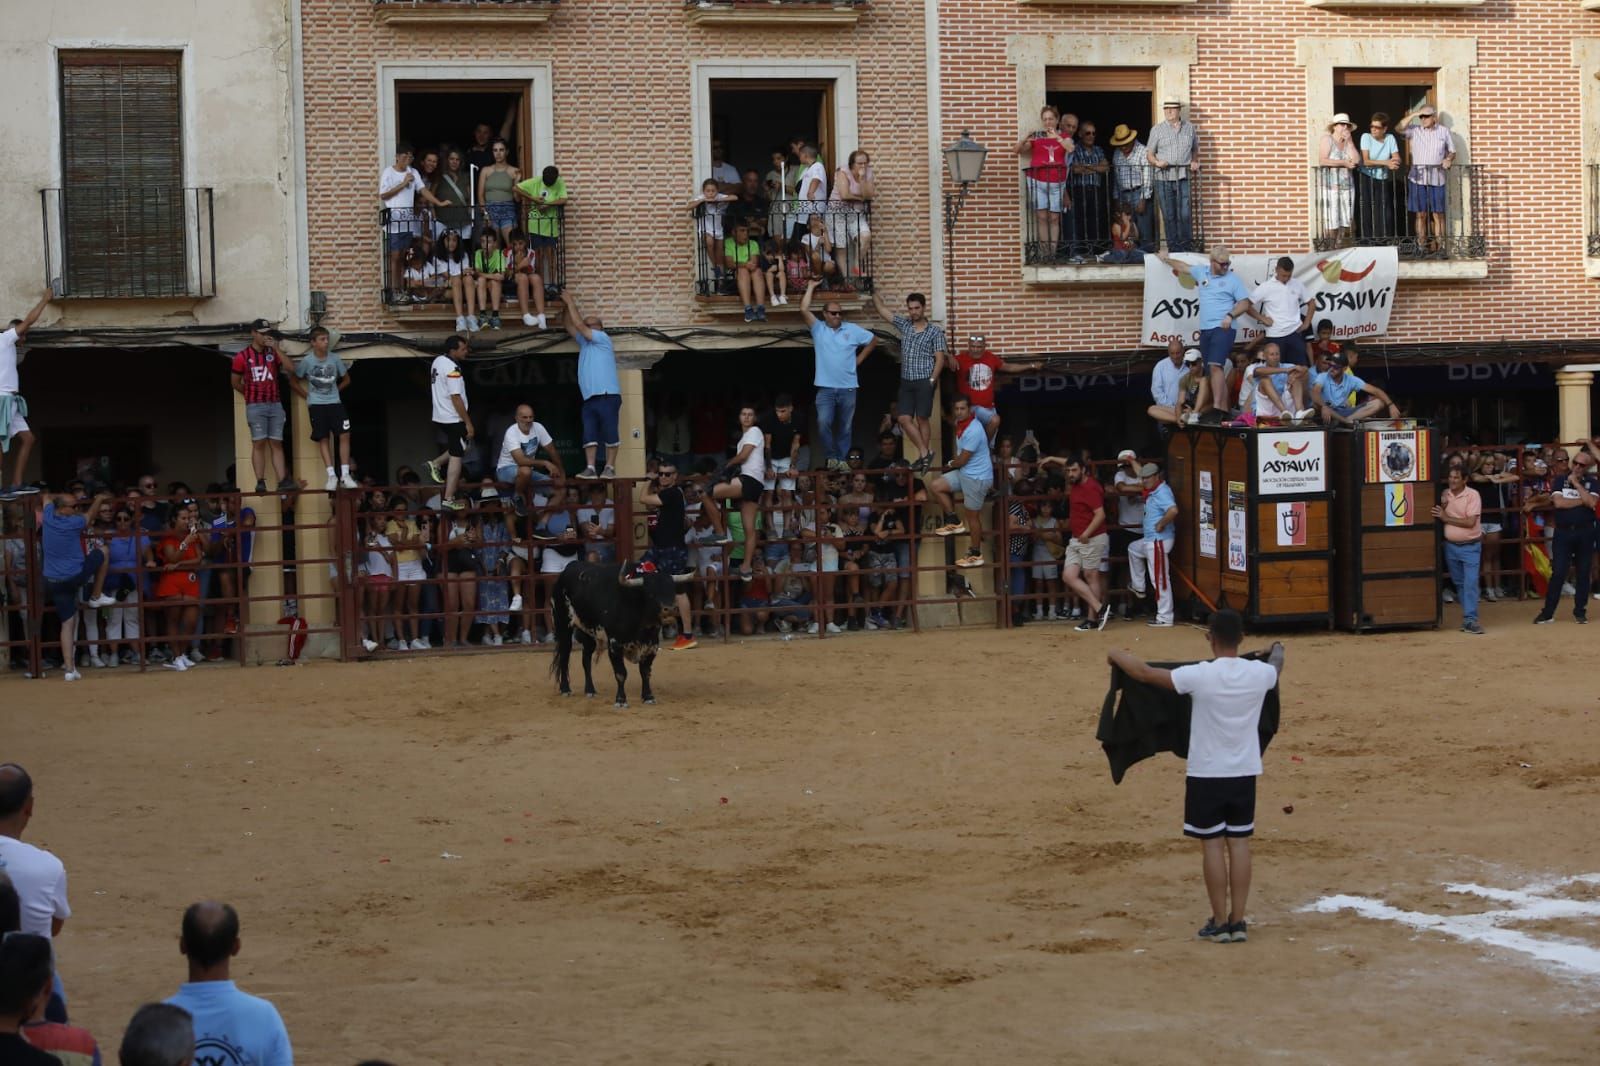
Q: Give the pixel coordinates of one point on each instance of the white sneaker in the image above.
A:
(332, 483)
(395, 645)
(427, 645)
(103, 600)
(179, 664)
(526, 637)
(461, 323)
(72, 675)
(349, 481)
(487, 640)
(370, 645)
(541, 323)
(418, 645)
(1568, 590)
(869, 625)
(548, 638)
(1449, 596)
(472, 324)
(529, 320)
(499, 640)
(516, 605)
(97, 662)
(833, 627)
(812, 628)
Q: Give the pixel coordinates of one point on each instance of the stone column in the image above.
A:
(314, 541)
(1572, 401)
(258, 620)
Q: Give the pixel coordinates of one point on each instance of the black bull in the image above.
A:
(625, 605)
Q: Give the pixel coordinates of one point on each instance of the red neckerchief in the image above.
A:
(961, 427)
(1147, 492)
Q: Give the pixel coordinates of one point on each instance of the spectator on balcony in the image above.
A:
(325, 377)
(1130, 171)
(422, 279)
(1333, 393)
(480, 153)
(922, 360)
(1380, 156)
(13, 408)
(811, 190)
(1086, 185)
(255, 377)
(741, 253)
(1223, 299)
(489, 271)
(523, 265)
(724, 173)
(1432, 151)
(839, 348)
(602, 392)
(497, 191)
(710, 208)
(1125, 238)
(848, 206)
(452, 271)
(1173, 150)
(453, 189)
(1337, 158)
(402, 192)
(1177, 404)
(519, 464)
(752, 206)
(970, 475)
(453, 431)
(1048, 149)
(1285, 300)
(820, 254)
(546, 196)
(978, 372)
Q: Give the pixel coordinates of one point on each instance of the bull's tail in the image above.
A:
(561, 618)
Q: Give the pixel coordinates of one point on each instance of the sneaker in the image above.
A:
(179, 664)
(332, 484)
(434, 472)
(72, 675)
(516, 603)
(1156, 623)
(548, 638)
(494, 320)
(103, 600)
(1474, 628)
(1217, 934)
(370, 645)
(833, 627)
(261, 487)
(1077, 613)
(288, 484)
(1088, 625)
(950, 529)
(812, 628)
(1303, 414)
(1238, 932)
(970, 560)
(418, 645)
(785, 626)
(529, 320)
(348, 481)
(609, 472)
(1568, 590)
(487, 640)
(519, 505)
(97, 662)
(129, 659)
(588, 474)
(461, 323)
(870, 623)
(540, 322)
(525, 637)
(1105, 616)
(395, 644)
(1581, 619)
(158, 655)
(761, 313)
(1543, 619)
(455, 505)
(472, 324)
(853, 625)
(749, 313)
(1449, 596)
(1061, 614)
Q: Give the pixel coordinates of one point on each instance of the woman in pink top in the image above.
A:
(848, 205)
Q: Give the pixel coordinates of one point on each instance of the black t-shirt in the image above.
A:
(881, 461)
(891, 528)
(482, 157)
(782, 434)
(670, 523)
(15, 1051)
(1576, 517)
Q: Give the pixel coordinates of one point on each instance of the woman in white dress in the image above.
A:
(1336, 185)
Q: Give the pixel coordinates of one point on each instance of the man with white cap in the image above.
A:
(1151, 554)
(1172, 149)
(1189, 393)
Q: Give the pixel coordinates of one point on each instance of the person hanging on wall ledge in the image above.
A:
(601, 389)
(13, 408)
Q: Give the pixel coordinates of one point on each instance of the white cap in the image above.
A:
(1192, 355)
(1127, 453)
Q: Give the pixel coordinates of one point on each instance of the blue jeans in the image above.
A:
(1462, 562)
(836, 415)
(1019, 580)
(1173, 199)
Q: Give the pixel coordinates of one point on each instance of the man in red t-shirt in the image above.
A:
(977, 370)
(1086, 547)
(255, 377)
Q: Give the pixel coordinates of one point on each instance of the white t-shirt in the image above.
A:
(755, 465)
(813, 243)
(726, 173)
(1263, 399)
(1227, 695)
(449, 268)
(377, 561)
(815, 172)
(40, 881)
(8, 361)
(1284, 303)
(394, 179)
(1130, 509)
(514, 441)
(447, 381)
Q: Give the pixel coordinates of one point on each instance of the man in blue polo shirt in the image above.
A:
(1333, 393)
(840, 347)
(230, 1025)
(971, 475)
(1223, 298)
(1152, 554)
(68, 569)
(1574, 498)
(602, 392)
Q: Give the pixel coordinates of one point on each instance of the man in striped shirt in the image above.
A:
(255, 377)
(922, 358)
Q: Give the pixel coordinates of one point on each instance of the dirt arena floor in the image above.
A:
(882, 849)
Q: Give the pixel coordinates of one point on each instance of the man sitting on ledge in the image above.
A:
(1333, 393)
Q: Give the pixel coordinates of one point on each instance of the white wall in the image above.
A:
(238, 132)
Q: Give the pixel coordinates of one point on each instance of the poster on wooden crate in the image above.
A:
(1207, 516)
(1398, 501)
(1236, 527)
(1398, 456)
(1292, 524)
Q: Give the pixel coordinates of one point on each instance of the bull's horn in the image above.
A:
(682, 579)
(633, 582)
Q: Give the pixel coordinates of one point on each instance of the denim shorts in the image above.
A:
(600, 419)
(1215, 344)
(502, 214)
(265, 420)
(1425, 198)
(509, 474)
(1045, 195)
(972, 490)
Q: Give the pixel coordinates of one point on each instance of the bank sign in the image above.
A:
(1353, 288)
(1291, 464)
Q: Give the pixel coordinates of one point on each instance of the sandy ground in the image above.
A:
(886, 848)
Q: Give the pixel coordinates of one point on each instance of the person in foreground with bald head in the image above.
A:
(229, 1025)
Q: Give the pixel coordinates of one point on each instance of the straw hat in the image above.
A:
(1341, 119)
(1123, 135)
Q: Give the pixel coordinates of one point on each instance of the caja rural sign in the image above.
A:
(1291, 463)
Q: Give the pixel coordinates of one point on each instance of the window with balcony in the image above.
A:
(1411, 202)
(774, 12)
(122, 223)
(480, 11)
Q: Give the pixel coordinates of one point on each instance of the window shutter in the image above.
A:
(1100, 79)
(1384, 78)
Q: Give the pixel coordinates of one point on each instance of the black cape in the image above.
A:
(1139, 720)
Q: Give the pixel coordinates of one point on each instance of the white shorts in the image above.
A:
(411, 571)
(711, 226)
(20, 425)
(778, 466)
(520, 552)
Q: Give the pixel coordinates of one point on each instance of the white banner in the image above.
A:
(1353, 288)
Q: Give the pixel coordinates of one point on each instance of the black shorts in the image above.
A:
(451, 436)
(752, 488)
(916, 397)
(1219, 807)
(328, 418)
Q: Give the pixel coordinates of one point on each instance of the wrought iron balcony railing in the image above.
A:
(129, 241)
(1079, 214)
(789, 241)
(1425, 212)
(423, 272)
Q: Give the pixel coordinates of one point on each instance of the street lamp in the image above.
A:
(964, 159)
